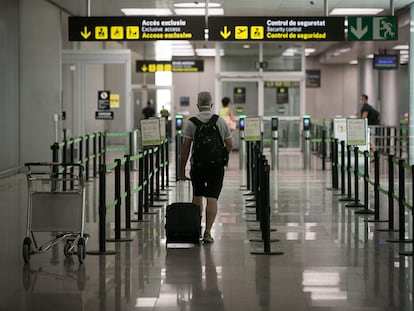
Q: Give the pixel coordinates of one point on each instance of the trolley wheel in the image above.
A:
(81, 250)
(66, 248)
(27, 249)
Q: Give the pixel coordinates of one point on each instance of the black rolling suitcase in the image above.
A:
(183, 223)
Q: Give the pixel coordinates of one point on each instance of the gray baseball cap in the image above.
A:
(204, 99)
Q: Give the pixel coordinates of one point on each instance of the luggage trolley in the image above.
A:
(56, 203)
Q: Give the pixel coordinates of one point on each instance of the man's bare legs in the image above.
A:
(211, 212)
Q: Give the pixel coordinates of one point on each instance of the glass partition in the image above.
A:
(281, 98)
(282, 57)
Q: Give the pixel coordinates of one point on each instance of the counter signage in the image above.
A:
(233, 28)
(174, 66)
(125, 28)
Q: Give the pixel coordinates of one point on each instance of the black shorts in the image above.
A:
(207, 181)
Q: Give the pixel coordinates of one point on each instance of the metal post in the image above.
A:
(275, 144)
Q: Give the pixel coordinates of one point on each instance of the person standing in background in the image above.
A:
(148, 111)
(227, 113)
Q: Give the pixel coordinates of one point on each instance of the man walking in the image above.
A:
(207, 179)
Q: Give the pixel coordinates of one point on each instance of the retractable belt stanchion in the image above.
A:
(356, 203)
(366, 210)
(127, 181)
(306, 143)
(401, 205)
(87, 157)
(275, 144)
(102, 215)
(348, 198)
(118, 201)
(334, 164)
(242, 144)
(178, 142)
(390, 195)
(264, 173)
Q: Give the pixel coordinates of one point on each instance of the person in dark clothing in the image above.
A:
(369, 112)
(148, 111)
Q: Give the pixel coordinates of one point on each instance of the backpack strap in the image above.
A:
(196, 121)
(213, 119)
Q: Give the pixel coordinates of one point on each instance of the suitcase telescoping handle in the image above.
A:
(183, 194)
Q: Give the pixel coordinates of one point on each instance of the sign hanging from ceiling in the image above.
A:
(232, 28)
(137, 28)
(372, 28)
(174, 66)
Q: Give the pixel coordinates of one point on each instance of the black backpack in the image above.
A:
(208, 147)
(374, 118)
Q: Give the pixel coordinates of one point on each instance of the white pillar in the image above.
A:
(411, 73)
(390, 97)
(368, 81)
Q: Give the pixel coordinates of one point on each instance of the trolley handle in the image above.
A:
(56, 165)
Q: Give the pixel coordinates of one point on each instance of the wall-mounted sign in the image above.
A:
(228, 28)
(114, 100)
(104, 115)
(174, 66)
(239, 95)
(313, 78)
(103, 100)
(125, 28)
(282, 95)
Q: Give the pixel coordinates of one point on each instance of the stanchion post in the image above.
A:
(102, 215)
(94, 148)
(87, 157)
(356, 181)
(141, 183)
(102, 207)
(376, 185)
(167, 163)
(342, 167)
(323, 148)
(127, 182)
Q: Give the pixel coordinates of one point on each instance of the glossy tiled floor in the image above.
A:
(332, 259)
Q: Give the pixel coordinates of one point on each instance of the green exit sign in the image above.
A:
(372, 28)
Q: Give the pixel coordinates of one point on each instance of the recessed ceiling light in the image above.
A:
(208, 52)
(353, 62)
(145, 12)
(401, 47)
(196, 5)
(195, 11)
(356, 11)
(246, 46)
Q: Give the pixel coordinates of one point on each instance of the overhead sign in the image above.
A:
(174, 66)
(233, 28)
(124, 28)
(372, 28)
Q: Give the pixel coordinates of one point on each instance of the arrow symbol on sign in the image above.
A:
(359, 32)
(224, 33)
(85, 33)
(144, 68)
